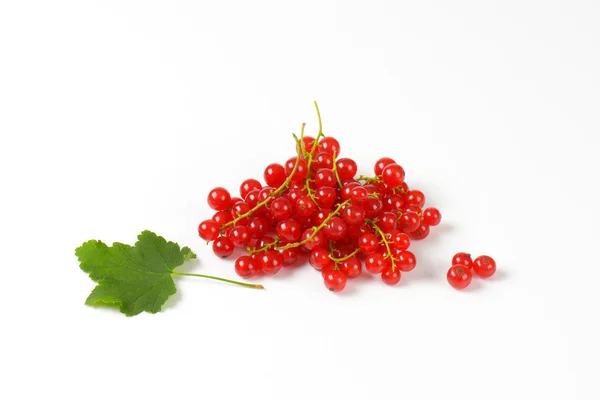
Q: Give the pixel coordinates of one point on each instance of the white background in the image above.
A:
(119, 116)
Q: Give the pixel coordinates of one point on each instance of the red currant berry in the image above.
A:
(239, 235)
(222, 247)
(221, 217)
(393, 203)
(381, 164)
(387, 221)
(308, 142)
(323, 160)
(351, 267)
(335, 280)
(265, 195)
(289, 255)
(374, 263)
(393, 175)
(421, 233)
(413, 208)
(415, 197)
(367, 243)
(244, 267)
(320, 216)
(258, 227)
(274, 175)
(353, 214)
(400, 240)
(484, 266)
(288, 230)
(324, 177)
(209, 230)
(358, 194)
(248, 185)
(252, 197)
(459, 276)
(347, 188)
(281, 208)
(305, 206)
(336, 229)
(406, 261)
(462, 259)
(409, 222)
(264, 241)
(390, 275)
(372, 207)
(432, 216)
(219, 199)
(318, 239)
(330, 145)
(346, 168)
(319, 258)
(325, 197)
(240, 208)
(301, 170)
(271, 262)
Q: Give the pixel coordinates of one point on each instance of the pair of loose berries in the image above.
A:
(459, 275)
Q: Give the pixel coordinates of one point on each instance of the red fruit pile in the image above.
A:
(459, 275)
(313, 204)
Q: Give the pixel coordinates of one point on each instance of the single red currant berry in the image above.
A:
(223, 247)
(323, 160)
(319, 258)
(346, 168)
(281, 208)
(244, 267)
(393, 203)
(335, 280)
(387, 221)
(326, 197)
(484, 266)
(336, 229)
(265, 194)
(353, 214)
(274, 175)
(248, 185)
(400, 240)
(421, 233)
(324, 177)
(406, 261)
(330, 145)
(221, 217)
(415, 197)
(462, 259)
(252, 197)
(326, 269)
(409, 222)
(264, 241)
(239, 235)
(288, 230)
(271, 262)
(372, 207)
(301, 170)
(432, 216)
(351, 267)
(390, 275)
(240, 208)
(219, 199)
(258, 227)
(374, 263)
(367, 243)
(381, 164)
(318, 240)
(459, 276)
(413, 208)
(209, 230)
(376, 189)
(358, 194)
(320, 216)
(347, 188)
(305, 206)
(289, 255)
(393, 175)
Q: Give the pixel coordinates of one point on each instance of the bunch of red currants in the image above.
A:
(314, 204)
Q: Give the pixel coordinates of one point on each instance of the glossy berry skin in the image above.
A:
(415, 197)
(374, 263)
(247, 186)
(413, 208)
(319, 240)
(322, 160)
(400, 240)
(324, 178)
(274, 175)
(381, 164)
(209, 230)
(288, 230)
(409, 222)
(335, 280)
(325, 197)
(432, 216)
(223, 247)
(265, 194)
(301, 171)
(462, 259)
(252, 197)
(221, 217)
(239, 235)
(484, 266)
(305, 207)
(258, 227)
(406, 261)
(372, 207)
(289, 256)
(351, 267)
(281, 208)
(244, 267)
(240, 208)
(387, 221)
(219, 199)
(421, 233)
(271, 262)
(393, 203)
(459, 276)
(330, 145)
(320, 216)
(336, 229)
(368, 243)
(347, 188)
(319, 258)
(389, 275)
(353, 214)
(346, 168)
(393, 175)
(358, 195)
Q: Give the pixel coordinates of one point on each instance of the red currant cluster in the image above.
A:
(459, 275)
(313, 204)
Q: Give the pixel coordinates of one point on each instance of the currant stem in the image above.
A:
(248, 285)
(339, 260)
(337, 177)
(369, 179)
(387, 245)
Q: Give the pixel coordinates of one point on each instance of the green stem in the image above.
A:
(337, 177)
(387, 245)
(249, 285)
(339, 260)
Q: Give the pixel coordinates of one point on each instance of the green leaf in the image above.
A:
(134, 278)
